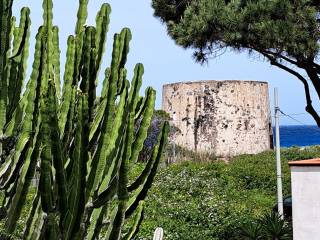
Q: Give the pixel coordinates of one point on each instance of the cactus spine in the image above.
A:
(85, 146)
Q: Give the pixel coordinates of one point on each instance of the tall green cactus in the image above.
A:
(84, 146)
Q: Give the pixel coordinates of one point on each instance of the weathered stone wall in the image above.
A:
(226, 118)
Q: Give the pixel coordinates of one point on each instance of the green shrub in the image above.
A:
(193, 200)
(298, 153)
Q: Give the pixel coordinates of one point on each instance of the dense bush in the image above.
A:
(213, 200)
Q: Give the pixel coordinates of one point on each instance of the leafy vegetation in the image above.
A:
(213, 200)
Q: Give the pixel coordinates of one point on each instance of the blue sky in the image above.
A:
(166, 62)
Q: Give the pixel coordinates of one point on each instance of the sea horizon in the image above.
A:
(299, 135)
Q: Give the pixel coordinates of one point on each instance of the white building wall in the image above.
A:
(305, 182)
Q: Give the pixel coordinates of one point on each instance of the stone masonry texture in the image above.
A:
(224, 118)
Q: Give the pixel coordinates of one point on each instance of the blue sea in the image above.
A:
(299, 136)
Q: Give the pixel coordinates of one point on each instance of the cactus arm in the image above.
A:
(125, 37)
(5, 18)
(16, 119)
(31, 215)
(17, 63)
(6, 14)
(20, 33)
(102, 25)
(144, 125)
(98, 213)
(100, 112)
(21, 74)
(34, 221)
(116, 156)
(14, 34)
(96, 219)
(8, 169)
(122, 80)
(79, 39)
(105, 85)
(102, 105)
(47, 6)
(67, 138)
(6, 76)
(58, 158)
(46, 177)
(98, 161)
(67, 87)
(45, 182)
(48, 36)
(133, 98)
(146, 171)
(26, 175)
(96, 222)
(98, 119)
(56, 60)
(115, 136)
(86, 59)
(114, 230)
(136, 223)
(143, 190)
(107, 185)
(13, 162)
(50, 228)
(88, 74)
(79, 161)
(81, 15)
(19, 108)
(47, 108)
(48, 111)
(52, 149)
(140, 107)
(107, 194)
(8, 196)
(49, 149)
(117, 222)
(123, 195)
(58, 163)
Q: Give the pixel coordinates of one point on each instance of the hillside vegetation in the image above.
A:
(193, 200)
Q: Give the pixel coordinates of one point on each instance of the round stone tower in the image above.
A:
(224, 118)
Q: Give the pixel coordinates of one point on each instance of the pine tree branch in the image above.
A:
(309, 107)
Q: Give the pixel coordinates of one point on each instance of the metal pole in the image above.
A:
(278, 159)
